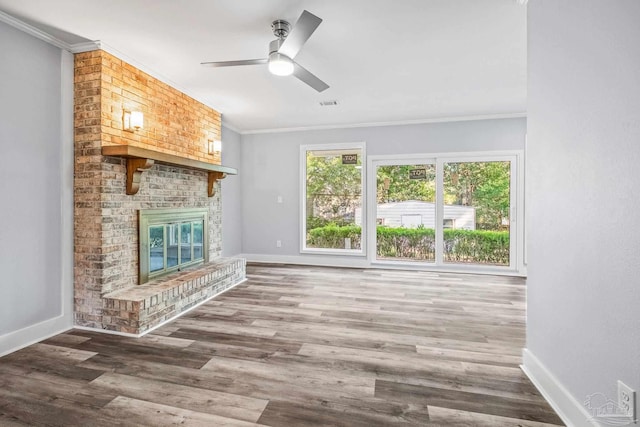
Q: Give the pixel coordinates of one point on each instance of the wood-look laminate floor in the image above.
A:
(297, 346)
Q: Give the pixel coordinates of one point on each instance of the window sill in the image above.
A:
(341, 252)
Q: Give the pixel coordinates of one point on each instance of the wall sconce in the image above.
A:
(214, 147)
(133, 121)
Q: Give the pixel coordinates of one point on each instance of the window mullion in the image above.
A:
(439, 229)
(179, 262)
(164, 248)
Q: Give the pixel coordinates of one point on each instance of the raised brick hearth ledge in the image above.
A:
(138, 309)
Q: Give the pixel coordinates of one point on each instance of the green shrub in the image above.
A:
(332, 236)
(480, 246)
(411, 243)
(463, 246)
(316, 222)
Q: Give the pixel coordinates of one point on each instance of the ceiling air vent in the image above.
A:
(328, 103)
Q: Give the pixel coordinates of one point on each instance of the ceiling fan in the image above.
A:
(283, 49)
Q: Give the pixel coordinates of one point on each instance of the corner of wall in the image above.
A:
(232, 200)
(572, 412)
(21, 338)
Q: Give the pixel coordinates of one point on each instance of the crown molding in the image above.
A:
(95, 45)
(33, 31)
(144, 68)
(390, 123)
(231, 127)
(46, 37)
(84, 47)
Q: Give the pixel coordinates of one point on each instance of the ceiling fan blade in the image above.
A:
(310, 79)
(235, 63)
(302, 30)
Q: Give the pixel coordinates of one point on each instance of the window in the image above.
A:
(171, 239)
(450, 209)
(483, 188)
(405, 196)
(332, 199)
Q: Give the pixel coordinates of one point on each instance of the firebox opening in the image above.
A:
(170, 240)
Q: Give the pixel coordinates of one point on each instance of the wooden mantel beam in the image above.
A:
(141, 159)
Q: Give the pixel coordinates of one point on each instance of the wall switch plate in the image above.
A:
(278, 243)
(627, 400)
(279, 199)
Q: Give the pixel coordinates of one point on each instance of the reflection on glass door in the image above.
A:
(476, 222)
(405, 212)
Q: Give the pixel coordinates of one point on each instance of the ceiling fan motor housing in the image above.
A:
(274, 45)
(281, 28)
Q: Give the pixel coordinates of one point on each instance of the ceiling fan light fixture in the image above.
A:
(284, 49)
(280, 65)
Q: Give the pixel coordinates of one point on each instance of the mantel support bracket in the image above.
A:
(213, 177)
(135, 167)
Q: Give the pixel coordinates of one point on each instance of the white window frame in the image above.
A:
(362, 252)
(390, 160)
(516, 226)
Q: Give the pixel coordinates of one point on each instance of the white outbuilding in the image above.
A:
(412, 213)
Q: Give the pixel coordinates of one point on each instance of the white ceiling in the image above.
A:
(385, 60)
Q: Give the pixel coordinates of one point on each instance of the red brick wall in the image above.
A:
(174, 123)
(106, 223)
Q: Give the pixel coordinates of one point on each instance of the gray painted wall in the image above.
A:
(583, 150)
(231, 195)
(270, 168)
(32, 175)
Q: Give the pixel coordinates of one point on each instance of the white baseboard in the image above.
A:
(362, 262)
(317, 260)
(108, 332)
(16, 340)
(126, 334)
(572, 412)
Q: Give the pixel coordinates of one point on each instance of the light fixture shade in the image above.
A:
(132, 120)
(214, 147)
(217, 146)
(280, 65)
(137, 120)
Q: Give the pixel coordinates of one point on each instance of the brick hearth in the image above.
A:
(138, 309)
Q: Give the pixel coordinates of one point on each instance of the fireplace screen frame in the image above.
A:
(167, 218)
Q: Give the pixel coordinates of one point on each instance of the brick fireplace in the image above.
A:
(107, 294)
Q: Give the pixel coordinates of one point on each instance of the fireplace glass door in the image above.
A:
(171, 240)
